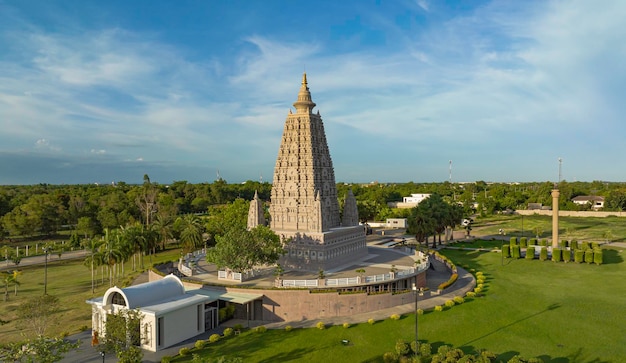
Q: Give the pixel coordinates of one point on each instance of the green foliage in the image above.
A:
(470, 294)
(557, 254)
(184, 351)
(290, 328)
(523, 242)
(123, 335)
(260, 329)
(395, 317)
(597, 256)
(579, 256)
(567, 255)
(240, 249)
(432, 216)
(238, 327)
(449, 303)
(584, 246)
(390, 357)
(420, 312)
(41, 350)
(166, 359)
(543, 242)
(227, 312)
(402, 347)
(458, 300)
(320, 325)
(200, 344)
(563, 243)
(228, 332)
(513, 241)
(530, 253)
(543, 254)
(506, 251)
(515, 251)
(371, 321)
(573, 245)
(532, 241)
(450, 281)
(214, 338)
(589, 256)
(439, 308)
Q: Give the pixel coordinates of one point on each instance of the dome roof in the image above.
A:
(149, 293)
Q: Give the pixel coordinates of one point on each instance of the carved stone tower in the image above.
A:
(304, 206)
(255, 212)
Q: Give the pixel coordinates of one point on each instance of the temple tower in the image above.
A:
(304, 206)
(255, 212)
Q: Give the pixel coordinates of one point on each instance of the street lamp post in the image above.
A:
(416, 291)
(45, 271)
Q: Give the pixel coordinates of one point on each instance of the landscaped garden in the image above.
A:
(555, 311)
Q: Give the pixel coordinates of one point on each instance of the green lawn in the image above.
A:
(588, 228)
(559, 312)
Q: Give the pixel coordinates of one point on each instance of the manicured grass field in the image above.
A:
(582, 229)
(556, 311)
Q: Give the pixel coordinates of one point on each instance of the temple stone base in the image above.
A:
(314, 251)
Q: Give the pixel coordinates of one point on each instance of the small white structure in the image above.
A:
(396, 223)
(170, 314)
(415, 198)
(596, 202)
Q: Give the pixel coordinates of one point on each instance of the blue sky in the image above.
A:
(102, 91)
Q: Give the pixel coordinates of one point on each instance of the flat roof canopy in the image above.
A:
(233, 297)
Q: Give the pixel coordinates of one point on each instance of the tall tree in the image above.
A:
(191, 229)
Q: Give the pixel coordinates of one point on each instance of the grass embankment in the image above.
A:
(557, 311)
(70, 281)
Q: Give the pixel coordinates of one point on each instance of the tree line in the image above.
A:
(88, 210)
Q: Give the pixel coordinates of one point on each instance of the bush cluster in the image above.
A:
(320, 325)
(214, 338)
(515, 251)
(423, 352)
(530, 253)
(260, 329)
(543, 254)
(228, 332)
(288, 328)
(395, 317)
(450, 281)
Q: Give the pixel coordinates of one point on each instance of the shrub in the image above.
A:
(532, 241)
(556, 254)
(506, 251)
(523, 242)
(420, 312)
(199, 344)
(371, 321)
(579, 256)
(513, 241)
(425, 349)
(573, 245)
(438, 308)
(589, 256)
(530, 253)
(395, 317)
(260, 329)
(458, 300)
(320, 325)
(346, 325)
(563, 244)
(470, 294)
(597, 257)
(184, 351)
(390, 357)
(567, 255)
(477, 290)
(595, 245)
(402, 348)
(543, 254)
(515, 251)
(449, 303)
(543, 242)
(228, 332)
(166, 359)
(238, 327)
(450, 281)
(584, 246)
(288, 328)
(214, 338)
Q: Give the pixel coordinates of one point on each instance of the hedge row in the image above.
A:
(450, 281)
(589, 255)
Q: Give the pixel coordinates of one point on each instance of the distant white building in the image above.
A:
(596, 202)
(409, 202)
(415, 198)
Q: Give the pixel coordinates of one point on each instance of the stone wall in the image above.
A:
(567, 213)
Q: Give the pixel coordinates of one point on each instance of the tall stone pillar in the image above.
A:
(555, 218)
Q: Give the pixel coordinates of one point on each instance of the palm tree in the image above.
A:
(92, 245)
(191, 232)
(110, 251)
(8, 278)
(163, 225)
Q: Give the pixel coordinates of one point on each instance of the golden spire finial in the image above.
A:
(304, 82)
